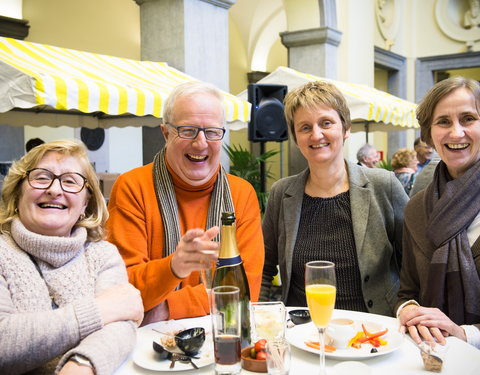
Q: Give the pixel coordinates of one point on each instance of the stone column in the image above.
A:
(191, 36)
(311, 51)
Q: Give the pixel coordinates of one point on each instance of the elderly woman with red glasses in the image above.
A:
(65, 301)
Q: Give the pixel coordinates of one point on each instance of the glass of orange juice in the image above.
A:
(320, 289)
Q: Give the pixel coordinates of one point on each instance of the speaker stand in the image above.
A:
(263, 177)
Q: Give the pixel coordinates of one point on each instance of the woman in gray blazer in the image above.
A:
(334, 210)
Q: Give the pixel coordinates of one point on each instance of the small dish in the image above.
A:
(148, 358)
(162, 352)
(165, 334)
(251, 364)
(300, 316)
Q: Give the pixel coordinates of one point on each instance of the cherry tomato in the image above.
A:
(261, 356)
(260, 346)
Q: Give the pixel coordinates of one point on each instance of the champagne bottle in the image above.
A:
(230, 271)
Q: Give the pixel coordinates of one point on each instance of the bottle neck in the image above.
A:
(228, 246)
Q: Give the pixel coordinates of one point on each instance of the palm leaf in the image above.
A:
(247, 166)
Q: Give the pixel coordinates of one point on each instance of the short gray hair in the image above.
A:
(364, 151)
(186, 89)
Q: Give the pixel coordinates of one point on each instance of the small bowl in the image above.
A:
(300, 316)
(191, 340)
(250, 364)
(162, 353)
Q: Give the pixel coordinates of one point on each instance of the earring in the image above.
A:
(82, 217)
(16, 211)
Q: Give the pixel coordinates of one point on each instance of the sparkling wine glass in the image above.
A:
(320, 289)
(206, 276)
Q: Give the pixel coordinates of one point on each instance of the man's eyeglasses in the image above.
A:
(191, 132)
(70, 182)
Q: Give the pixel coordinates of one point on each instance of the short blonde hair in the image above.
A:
(311, 95)
(403, 157)
(96, 213)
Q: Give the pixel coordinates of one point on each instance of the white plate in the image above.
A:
(145, 357)
(298, 334)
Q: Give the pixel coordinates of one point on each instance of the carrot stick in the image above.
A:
(316, 345)
(369, 335)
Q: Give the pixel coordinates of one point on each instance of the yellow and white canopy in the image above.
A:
(46, 85)
(368, 106)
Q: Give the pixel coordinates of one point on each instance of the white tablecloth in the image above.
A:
(461, 359)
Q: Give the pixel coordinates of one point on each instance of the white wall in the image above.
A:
(125, 151)
(302, 14)
(48, 133)
(121, 151)
(11, 8)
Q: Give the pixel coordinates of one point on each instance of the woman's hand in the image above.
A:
(430, 324)
(120, 302)
(195, 251)
(73, 368)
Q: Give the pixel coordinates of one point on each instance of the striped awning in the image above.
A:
(46, 85)
(370, 109)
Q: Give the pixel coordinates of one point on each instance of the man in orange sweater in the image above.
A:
(164, 216)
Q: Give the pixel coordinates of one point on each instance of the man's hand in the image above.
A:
(195, 251)
(428, 323)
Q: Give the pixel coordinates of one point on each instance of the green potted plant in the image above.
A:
(385, 164)
(247, 166)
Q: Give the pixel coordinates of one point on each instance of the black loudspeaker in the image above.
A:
(267, 121)
(93, 138)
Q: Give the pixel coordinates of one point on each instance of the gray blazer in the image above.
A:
(425, 176)
(377, 201)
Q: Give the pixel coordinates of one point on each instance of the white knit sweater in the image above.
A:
(33, 335)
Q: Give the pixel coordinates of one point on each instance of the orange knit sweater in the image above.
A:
(136, 228)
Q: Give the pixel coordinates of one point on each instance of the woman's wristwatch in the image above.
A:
(81, 360)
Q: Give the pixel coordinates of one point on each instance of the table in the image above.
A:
(462, 358)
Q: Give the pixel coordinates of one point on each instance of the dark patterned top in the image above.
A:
(407, 180)
(325, 232)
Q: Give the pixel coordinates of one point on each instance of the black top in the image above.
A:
(325, 232)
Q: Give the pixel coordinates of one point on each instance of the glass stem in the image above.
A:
(321, 333)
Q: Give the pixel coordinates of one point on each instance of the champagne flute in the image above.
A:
(206, 276)
(320, 289)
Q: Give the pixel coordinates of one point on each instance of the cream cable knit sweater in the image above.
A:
(35, 337)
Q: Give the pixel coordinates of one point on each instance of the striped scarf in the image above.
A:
(451, 206)
(221, 201)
